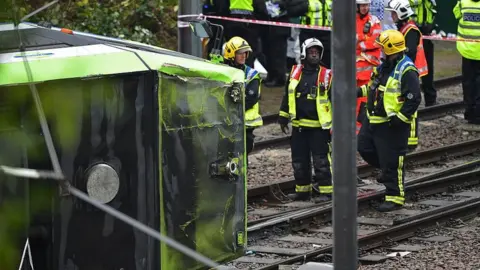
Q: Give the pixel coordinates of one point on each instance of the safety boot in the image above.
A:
(322, 198)
(388, 206)
(300, 196)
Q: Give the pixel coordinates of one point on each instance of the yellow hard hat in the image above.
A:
(392, 41)
(235, 45)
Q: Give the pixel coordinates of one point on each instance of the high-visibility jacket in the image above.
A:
(425, 11)
(241, 7)
(420, 60)
(323, 104)
(392, 103)
(368, 53)
(319, 13)
(253, 118)
(468, 12)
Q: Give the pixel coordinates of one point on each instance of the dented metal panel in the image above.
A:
(202, 157)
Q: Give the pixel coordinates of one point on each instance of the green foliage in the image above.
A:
(148, 21)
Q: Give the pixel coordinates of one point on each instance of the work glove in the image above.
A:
(283, 124)
(396, 122)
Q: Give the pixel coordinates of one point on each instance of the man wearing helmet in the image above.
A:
(235, 54)
(393, 96)
(307, 103)
(401, 14)
(368, 54)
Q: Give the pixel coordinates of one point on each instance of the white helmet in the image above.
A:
(311, 42)
(359, 2)
(401, 7)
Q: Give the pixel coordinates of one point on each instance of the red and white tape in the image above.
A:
(294, 25)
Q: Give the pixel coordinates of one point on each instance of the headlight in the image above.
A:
(102, 183)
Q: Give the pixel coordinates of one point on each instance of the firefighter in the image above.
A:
(236, 52)
(368, 54)
(425, 11)
(393, 96)
(401, 15)
(315, 13)
(307, 104)
(468, 12)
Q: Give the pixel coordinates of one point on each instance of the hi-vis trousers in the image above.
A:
(384, 146)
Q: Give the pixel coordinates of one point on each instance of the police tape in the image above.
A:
(312, 27)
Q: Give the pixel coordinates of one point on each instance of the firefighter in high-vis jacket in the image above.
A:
(236, 52)
(307, 104)
(425, 12)
(368, 53)
(468, 12)
(401, 15)
(314, 13)
(393, 96)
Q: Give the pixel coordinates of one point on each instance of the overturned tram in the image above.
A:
(155, 134)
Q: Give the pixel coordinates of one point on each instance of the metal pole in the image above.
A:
(344, 138)
(187, 42)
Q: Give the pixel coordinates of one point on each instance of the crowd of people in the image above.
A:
(392, 57)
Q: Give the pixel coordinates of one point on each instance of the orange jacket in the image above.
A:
(367, 50)
(368, 53)
(420, 60)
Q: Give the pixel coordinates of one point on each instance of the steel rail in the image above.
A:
(324, 208)
(440, 83)
(272, 220)
(419, 158)
(406, 230)
(424, 114)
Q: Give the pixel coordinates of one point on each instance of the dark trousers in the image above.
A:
(308, 144)
(274, 47)
(384, 147)
(325, 37)
(250, 139)
(247, 31)
(471, 89)
(429, 91)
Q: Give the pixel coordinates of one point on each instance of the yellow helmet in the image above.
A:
(392, 41)
(235, 45)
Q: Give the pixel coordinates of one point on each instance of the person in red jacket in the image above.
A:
(368, 53)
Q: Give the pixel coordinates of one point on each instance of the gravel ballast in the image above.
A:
(272, 165)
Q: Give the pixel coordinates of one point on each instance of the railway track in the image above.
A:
(432, 199)
(441, 83)
(417, 158)
(424, 114)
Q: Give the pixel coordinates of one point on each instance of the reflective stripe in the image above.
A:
(363, 46)
(284, 114)
(306, 188)
(317, 15)
(395, 199)
(462, 25)
(400, 175)
(413, 139)
(367, 68)
(325, 189)
(255, 122)
(306, 123)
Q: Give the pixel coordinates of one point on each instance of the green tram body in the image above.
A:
(169, 125)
